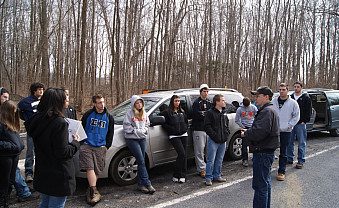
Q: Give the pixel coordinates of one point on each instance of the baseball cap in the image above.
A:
(204, 86)
(263, 90)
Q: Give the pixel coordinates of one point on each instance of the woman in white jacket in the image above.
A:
(136, 123)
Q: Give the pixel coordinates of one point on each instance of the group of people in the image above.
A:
(275, 124)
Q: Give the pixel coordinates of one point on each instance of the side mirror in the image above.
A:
(157, 120)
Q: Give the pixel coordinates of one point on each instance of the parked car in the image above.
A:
(121, 165)
(325, 110)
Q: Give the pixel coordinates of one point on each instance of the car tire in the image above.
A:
(334, 132)
(123, 168)
(234, 149)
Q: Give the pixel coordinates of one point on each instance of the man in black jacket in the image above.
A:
(263, 138)
(299, 130)
(216, 127)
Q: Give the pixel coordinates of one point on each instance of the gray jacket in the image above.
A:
(289, 114)
(245, 116)
(133, 127)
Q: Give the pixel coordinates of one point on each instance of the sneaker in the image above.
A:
(208, 183)
(29, 179)
(281, 177)
(182, 180)
(151, 189)
(143, 189)
(299, 165)
(220, 180)
(245, 163)
(202, 174)
(289, 162)
(175, 180)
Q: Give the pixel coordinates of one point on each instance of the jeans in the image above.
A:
(20, 185)
(180, 165)
(29, 157)
(284, 140)
(215, 156)
(137, 148)
(261, 183)
(244, 152)
(200, 149)
(52, 201)
(299, 130)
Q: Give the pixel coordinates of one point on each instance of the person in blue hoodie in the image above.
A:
(99, 127)
(28, 107)
(136, 123)
(244, 117)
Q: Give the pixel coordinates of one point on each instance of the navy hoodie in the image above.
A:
(28, 107)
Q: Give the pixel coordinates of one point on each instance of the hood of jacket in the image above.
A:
(134, 99)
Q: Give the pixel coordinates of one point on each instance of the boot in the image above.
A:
(95, 195)
(88, 195)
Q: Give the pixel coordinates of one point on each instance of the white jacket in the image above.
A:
(289, 114)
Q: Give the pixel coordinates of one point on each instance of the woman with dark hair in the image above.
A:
(10, 147)
(176, 128)
(54, 169)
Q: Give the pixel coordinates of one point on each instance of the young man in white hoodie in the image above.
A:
(288, 111)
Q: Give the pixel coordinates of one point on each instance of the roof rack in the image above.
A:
(188, 89)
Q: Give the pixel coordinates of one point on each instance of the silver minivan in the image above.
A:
(121, 166)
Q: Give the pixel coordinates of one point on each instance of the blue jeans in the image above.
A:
(20, 185)
(137, 148)
(29, 157)
(261, 183)
(52, 201)
(215, 156)
(284, 140)
(300, 132)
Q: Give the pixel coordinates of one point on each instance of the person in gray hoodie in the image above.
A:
(244, 117)
(288, 111)
(136, 123)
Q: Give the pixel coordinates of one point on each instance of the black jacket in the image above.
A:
(176, 124)
(70, 112)
(199, 106)
(216, 125)
(54, 168)
(10, 142)
(263, 136)
(305, 105)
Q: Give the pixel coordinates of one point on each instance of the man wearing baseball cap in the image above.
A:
(200, 106)
(263, 138)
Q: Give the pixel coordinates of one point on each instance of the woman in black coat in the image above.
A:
(54, 174)
(176, 128)
(11, 146)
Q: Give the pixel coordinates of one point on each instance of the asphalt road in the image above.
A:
(316, 185)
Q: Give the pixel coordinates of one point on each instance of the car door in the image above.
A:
(333, 101)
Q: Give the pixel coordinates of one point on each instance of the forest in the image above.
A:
(121, 47)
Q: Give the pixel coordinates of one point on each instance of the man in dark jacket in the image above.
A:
(28, 107)
(299, 130)
(200, 106)
(216, 127)
(263, 138)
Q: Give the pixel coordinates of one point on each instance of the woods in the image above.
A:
(121, 47)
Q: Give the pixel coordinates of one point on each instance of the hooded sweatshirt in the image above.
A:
(245, 116)
(288, 114)
(28, 107)
(135, 128)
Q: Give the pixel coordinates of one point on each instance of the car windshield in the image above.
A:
(119, 112)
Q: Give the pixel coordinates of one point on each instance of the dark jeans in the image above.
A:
(7, 174)
(244, 152)
(284, 140)
(180, 165)
(261, 183)
(29, 162)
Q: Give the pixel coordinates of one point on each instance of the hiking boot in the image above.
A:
(289, 162)
(208, 183)
(143, 189)
(175, 180)
(95, 196)
(281, 177)
(29, 179)
(245, 163)
(151, 189)
(220, 180)
(299, 165)
(88, 195)
(182, 180)
(202, 174)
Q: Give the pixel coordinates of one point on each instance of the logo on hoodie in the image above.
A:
(98, 123)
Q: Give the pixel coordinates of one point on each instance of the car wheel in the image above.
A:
(123, 168)
(334, 132)
(234, 149)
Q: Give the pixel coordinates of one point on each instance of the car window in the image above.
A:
(119, 112)
(333, 98)
(160, 108)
